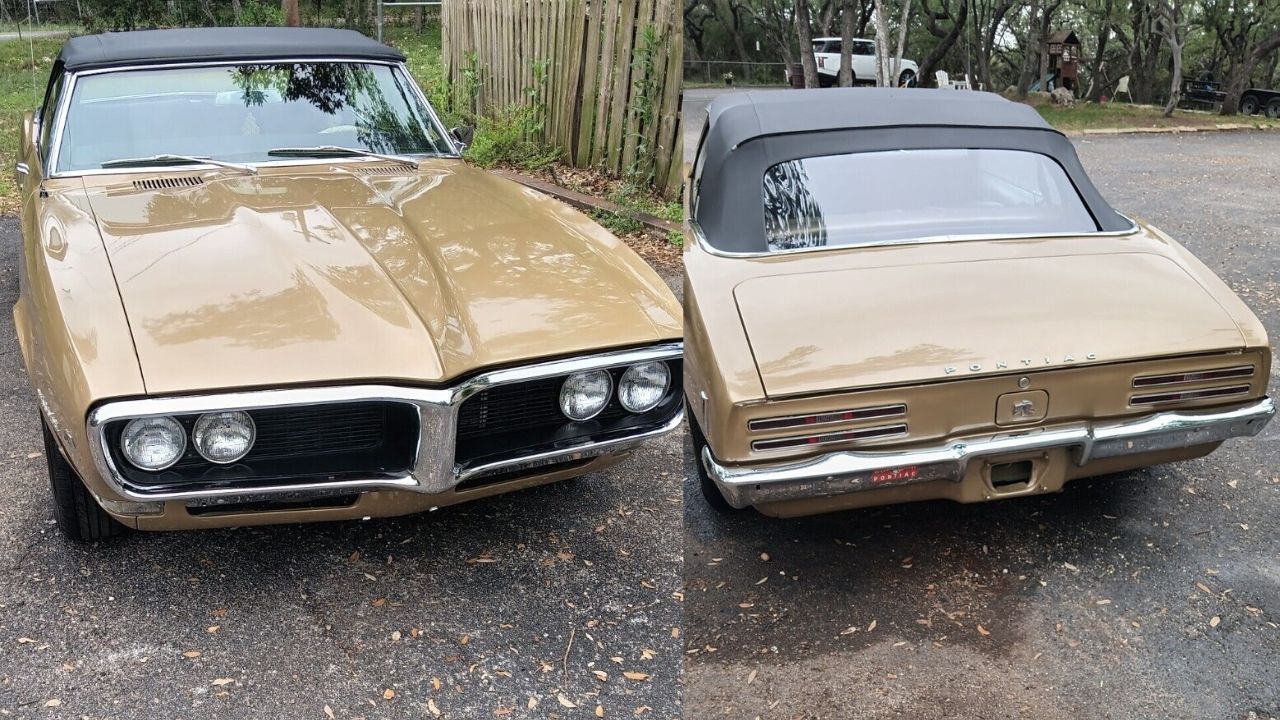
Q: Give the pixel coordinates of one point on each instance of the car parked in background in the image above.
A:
(898, 295)
(826, 52)
(259, 285)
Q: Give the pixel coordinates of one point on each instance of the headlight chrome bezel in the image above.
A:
(163, 419)
(589, 375)
(200, 426)
(631, 373)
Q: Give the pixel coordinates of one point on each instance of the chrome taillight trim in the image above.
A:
(827, 418)
(1185, 395)
(1194, 376)
(879, 432)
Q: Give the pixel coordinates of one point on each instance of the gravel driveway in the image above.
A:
(499, 608)
(1146, 594)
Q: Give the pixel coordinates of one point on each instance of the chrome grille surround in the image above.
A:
(434, 470)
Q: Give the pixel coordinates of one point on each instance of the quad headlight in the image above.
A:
(153, 443)
(583, 395)
(224, 437)
(643, 386)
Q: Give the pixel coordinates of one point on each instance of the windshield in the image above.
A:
(239, 113)
(900, 195)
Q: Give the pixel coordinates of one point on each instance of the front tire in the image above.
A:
(79, 516)
(1248, 105)
(710, 492)
(907, 79)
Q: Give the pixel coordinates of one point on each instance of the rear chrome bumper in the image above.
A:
(434, 469)
(849, 472)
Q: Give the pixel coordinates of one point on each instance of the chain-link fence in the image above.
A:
(721, 72)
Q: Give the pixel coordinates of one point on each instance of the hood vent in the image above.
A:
(166, 183)
(383, 169)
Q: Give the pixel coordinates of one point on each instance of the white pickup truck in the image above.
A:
(826, 51)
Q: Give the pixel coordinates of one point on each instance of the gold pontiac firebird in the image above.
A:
(899, 295)
(259, 285)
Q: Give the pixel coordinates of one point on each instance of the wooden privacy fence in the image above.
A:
(612, 83)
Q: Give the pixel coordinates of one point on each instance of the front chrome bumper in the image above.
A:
(848, 472)
(434, 469)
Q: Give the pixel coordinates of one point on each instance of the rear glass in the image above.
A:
(901, 195)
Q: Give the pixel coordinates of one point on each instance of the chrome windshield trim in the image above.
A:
(702, 242)
(434, 470)
(72, 77)
(846, 472)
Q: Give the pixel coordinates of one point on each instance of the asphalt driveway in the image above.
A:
(501, 608)
(1147, 594)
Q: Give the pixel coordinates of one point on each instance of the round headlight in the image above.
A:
(224, 437)
(585, 394)
(643, 386)
(153, 443)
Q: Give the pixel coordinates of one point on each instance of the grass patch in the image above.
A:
(634, 198)
(1098, 116)
(20, 91)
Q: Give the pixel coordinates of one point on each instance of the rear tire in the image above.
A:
(907, 79)
(79, 516)
(1273, 109)
(710, 492)
(1248, 105)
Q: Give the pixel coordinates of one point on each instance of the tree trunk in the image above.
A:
(987, 45)
(804, 32)
(845, 79)
(1242, 72)
(946, 39)
(1167, 23)
(236, 10)
(902, 43)
(1096, 86)
(290, 10)
(1029, 50)
(882, 40)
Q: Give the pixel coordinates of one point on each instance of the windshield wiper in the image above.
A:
(335, 150)
(171, 159)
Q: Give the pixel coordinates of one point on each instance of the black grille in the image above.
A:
(363, 438)
(522, 418)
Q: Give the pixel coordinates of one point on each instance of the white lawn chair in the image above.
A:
(1123, 87)
(944, 82)
(961, 84)
(968, 81)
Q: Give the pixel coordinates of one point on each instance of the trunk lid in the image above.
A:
(814, 332)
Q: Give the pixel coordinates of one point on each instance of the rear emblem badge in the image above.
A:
(1024, 409)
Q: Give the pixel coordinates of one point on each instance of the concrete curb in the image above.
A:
(1172, 130)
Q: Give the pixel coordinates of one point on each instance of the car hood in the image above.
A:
(317, 274)
(813, 332)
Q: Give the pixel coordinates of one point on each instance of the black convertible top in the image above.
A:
(149, 47)
(749, 132)
(742, 116)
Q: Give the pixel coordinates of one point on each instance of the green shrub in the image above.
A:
(510, 137)
(261, 13)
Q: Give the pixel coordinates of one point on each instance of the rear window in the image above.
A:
(901, 195)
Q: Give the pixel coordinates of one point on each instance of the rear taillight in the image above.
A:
(878, 432)
(828, 418)
(1184, 395)
(1196, 376)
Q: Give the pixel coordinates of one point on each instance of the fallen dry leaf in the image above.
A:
(566, 702)
(388, 694)
(213, 629)
(432, 708)
(219, 682)
(191, 654)
(601, 675)
(379, 602)
(1213, 622)
(751, 677)
(599, 711)
(872, 626)
(328, 712)
(53, 703)
(647, 654)
(983, 631)
(1204, 588)
(633, 675)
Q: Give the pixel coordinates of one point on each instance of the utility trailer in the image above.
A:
(1255, 99)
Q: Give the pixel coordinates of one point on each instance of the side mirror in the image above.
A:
(464, 134)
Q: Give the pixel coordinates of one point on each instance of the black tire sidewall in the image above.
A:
(710, 492)
(1248, 106)
(77, 513)
(1273, 109)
